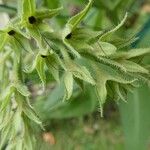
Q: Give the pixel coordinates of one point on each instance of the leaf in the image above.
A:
(24, 43)
(119, 92)
(84, 34)
(27, 8)
(135, 119)
(6, 135)
(75, 20)
(80, 72)
(101, 90)
(22, 89)
(47, 13)
(6, 97)
(5, 119)
(16, 47)
(5, 56)
(31, 115)
(134, 67)
(133, 53)
(72, 24)
(17, 122)
(52, 64)
(73, 51)
(40, 67)
(45, 27)
(104, 60)
(79, 104)
(137, 52)
(84, 74)
(35, 34)
(105, 49)
(68, 81)
(3, 40)
(115, 29)
(103, 75)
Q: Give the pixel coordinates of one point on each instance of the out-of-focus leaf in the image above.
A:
(53, 67)
(68, 81)
(104, 36)
(3, 40)
(31, 114)
(77, 106)
(22, 89)
(75, 20)
(43, 14)
(6, 97)
(40, 67)
(133, 53)
(27, 8)
(135, 119)
(134, 67)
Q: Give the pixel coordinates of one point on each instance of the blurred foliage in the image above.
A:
(86, 133)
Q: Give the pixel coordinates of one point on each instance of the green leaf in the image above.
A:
(6, 55)
(135, 119)
(104, 48)
(35, 34)
(24, 43)
(72, 24)
(27, 8)
(101, 89)
(47, 13)
(137, 52)
(80, 72)
(105, 61)
(119, 92)
(83, 74)
(16, 47)
(3, 40)
(80, 104)
(6, 97)
(133, 53)
(53, 67)
(115, 29)
(68, 81)
(44, 27)
(30, 113)
(134, 67)
(73, 51)
(75, 20)
(40, 67)
(6, 136)
(22, 89)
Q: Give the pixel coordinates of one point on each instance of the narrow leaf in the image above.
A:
(3, 40)
(68, 81)
(115, 29)
(47, 13)
(75, 20)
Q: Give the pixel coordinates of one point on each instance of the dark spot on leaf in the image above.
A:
(69, 36)
(43, 56)
(32, 20)
(11, 32)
